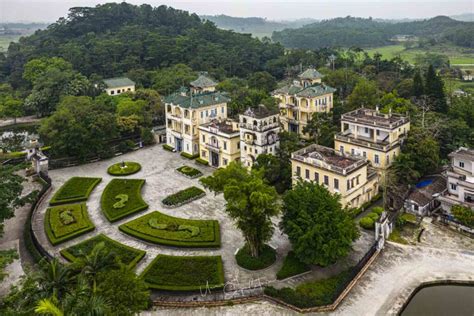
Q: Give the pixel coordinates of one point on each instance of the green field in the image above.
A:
(456, 55)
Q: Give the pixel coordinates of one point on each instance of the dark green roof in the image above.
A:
(307, 92)
(197, 100)
(203, 82)
(310, 73)
(118, 82)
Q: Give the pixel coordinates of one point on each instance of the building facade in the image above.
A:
(300, 100)
(259, 128)
(460, 180)
(372, 135)
(219, 142)
(349, 176)
(186, 110)
(117, 86)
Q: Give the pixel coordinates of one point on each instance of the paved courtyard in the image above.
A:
(158, 168)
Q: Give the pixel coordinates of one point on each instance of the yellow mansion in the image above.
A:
(372, 135)
(186, 110)
(219, 142)
(300, 100)
(349, 176)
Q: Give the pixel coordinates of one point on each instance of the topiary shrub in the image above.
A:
(202, 161)
(373, 216)
(189, 156)
(76, 189)
(168, 147)
(124, 168)
(378, 210)
(266, 258)
(129, 187)
(189, 172)
(367, 223)
(184, 196)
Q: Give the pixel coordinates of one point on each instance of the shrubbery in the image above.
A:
(116, 187)
(311, 294)
(64, 222)
(266, 258)
(168, 147)
(162, 229)
(202, 161)
(367, 223)
(127, 255)
(189, 156)
(291, 266)
(173, 273)
(119, 170)
(189, 171)
(75, 189)
(184, 196)
(464, 215)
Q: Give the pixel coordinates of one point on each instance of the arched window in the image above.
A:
(254, 122)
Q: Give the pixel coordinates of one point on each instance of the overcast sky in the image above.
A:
(51, 10)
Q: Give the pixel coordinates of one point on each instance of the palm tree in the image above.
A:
(99, 259)
(54, 278)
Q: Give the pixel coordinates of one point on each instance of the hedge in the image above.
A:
(311, 294)
(367, 223)
(127, 255)
(184, 273)
(291, 266)
(118, 170)
(266, 258)
(166, 230)
(64, 222)
(122, 198)
(189, 156)
(76, 189)
(189, 171)
(183, 196)
(168, 147)
(202, 161)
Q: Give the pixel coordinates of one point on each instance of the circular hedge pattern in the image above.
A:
(124, 168)
(245, 260)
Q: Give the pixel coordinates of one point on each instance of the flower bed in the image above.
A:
(76, 189)
(121, 198)
(245, 260)
(291, 267)
(127, 255)
(189, 172)
(64, 222)
(124, 169)
(183, 196)
(173, 273)
(162, 229)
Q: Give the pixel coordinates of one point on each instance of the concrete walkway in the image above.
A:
(19, 120)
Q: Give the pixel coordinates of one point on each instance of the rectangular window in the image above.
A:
(245, 148)
(364, 154)
(453, 187)
(256, 151)
(203, 138)
(388, 159)
(352, 151)
(336, 184)
(307, 174)
(238, 145)
(207, 113)
(298, 171)
(202, 114)
(376, 159)
(316, 177)
(348, 184)
(366, 130)
(326, 180)
(461, 164)
(112, 92)
(225, 162)
(222, 110)
(341, 148)
(225, 145)
(357, 180)
(203, 153)
(378, 132)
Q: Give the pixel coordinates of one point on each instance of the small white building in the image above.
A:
(259, 128)
(422, 200)
(116, 86)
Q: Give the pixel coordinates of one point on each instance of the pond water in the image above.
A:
(442, 300)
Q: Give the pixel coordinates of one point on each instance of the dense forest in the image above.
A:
(112, 39)
(360, 32)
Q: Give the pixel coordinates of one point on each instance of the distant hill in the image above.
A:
(466, 17)
(361, 32)
(254, 25)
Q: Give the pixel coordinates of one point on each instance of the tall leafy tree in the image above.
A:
(365, 94)
(321, 127)
(434, 89)
(319, 229)
(250, 202)
(418, 85)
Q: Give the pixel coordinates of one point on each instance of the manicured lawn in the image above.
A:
(173, 273)
(266, 258)
(189, 171)
(121, 198)
(184, 196)
(76, 189)
(64, 222)
(127, 255)
(310, 294)
(291, 266)
(162, 229)
(124, 169)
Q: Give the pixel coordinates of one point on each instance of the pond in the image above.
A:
(442, 300)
